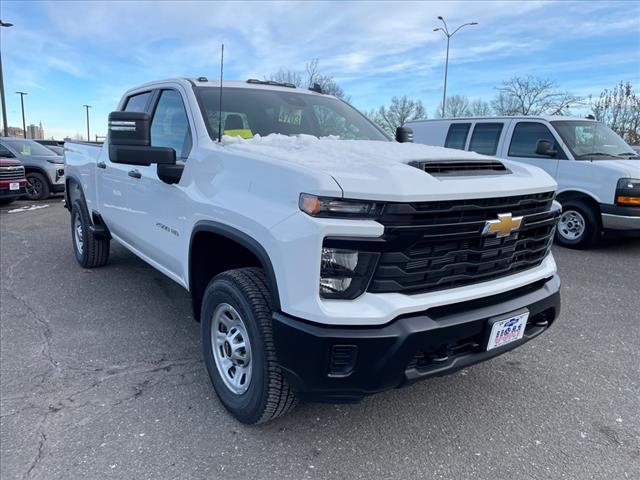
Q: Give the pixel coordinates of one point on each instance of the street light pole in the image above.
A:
(24, 124)
(87, 107)
(445, 31)
(5, 128)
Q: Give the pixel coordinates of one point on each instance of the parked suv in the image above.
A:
(325, 261)
(44, 169)
(598, 174)
(12, 180)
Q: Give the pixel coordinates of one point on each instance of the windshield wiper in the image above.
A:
(594, 154)
(628, 154)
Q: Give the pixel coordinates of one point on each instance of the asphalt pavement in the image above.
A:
(101, 377)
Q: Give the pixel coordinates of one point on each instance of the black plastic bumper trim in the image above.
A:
(386, 354)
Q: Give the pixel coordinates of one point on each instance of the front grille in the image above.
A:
(439, 245)
(458, 168)
(11, 173)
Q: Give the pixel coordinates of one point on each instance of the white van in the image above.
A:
(598, 174)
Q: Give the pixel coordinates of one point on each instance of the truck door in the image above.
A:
(523, 143)
(113, 181)
(155, 213)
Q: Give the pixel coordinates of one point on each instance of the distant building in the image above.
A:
(35, 132)
(15, 132)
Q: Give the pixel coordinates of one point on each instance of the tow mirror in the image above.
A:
(130, 141)
(404, 135)
(544, 147)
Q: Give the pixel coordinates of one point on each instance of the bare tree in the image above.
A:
(620, 109)
(480, 108)
(457, 106)
(400, 111)
(311, 76)
(287, 76)
(532, 96)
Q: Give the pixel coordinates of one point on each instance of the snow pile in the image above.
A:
(330, 151)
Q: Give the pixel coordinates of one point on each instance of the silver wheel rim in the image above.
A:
(77, 234)
(231, 348)
(571, 225)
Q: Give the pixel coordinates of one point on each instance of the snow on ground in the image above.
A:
(27, 208)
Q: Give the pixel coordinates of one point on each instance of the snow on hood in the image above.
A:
(378, 170)
(327, 152)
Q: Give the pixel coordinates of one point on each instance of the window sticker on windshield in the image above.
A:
(292, 116)
(25, 150)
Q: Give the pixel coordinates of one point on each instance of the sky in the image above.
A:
(67, 54)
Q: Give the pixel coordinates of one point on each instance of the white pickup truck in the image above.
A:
(598, 174)
(325, 261)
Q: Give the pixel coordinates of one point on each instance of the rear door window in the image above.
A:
(525, 140)
(457, 135)
(485, 138)
(137, 103)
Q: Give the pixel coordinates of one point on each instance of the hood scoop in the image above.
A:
(461, 168)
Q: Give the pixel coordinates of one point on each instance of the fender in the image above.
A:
(247, 242)
(67, 200)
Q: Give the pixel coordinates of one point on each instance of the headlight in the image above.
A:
(628, 192)
(344, 273)
(338, 207)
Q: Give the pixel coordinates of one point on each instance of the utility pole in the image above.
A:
(24, 124)
(5, 128)
(87, 107)
(445, 30)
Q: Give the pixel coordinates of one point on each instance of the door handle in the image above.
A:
(135, 174)
(101, 165)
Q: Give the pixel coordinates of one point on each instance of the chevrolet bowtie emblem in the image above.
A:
(503, 226)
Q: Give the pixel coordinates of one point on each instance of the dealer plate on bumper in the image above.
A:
(507, 329)
(14, 186)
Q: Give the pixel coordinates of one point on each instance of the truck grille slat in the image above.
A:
(11, 173)
(430, 253)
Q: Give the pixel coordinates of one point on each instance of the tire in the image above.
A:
(90, 252)
(265, 394)
(37, 187)
(579, 226)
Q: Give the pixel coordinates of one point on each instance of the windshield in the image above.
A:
(28, 148)
(247, 112)
(587, 139)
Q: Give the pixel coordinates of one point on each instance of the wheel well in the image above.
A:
(571, 195)
(212, 253)
(73, 192)
(28, 170)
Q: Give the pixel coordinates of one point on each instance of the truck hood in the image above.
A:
(376, 170)
(624, 167)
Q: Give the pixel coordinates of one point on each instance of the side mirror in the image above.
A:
(130, 141)
(543, 147)
(404, 135)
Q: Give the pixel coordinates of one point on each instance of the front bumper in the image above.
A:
(620, 218)
(436, 342)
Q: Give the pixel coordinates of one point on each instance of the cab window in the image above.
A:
(485, 138)
(137, 103)
(457, 135)
(525, 140)
(170, 126)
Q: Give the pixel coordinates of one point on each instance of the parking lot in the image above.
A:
(101, 377)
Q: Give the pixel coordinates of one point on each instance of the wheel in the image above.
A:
(90, 252)
(579, 225)
(238, 348)
(6, 201)
(37, 186)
